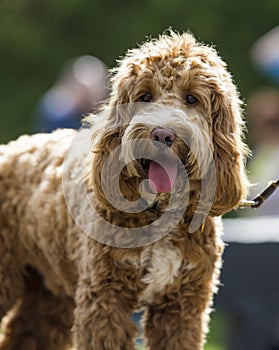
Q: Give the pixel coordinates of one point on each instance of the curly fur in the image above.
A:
(93, 287)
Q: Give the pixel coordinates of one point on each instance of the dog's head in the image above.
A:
(173, 110)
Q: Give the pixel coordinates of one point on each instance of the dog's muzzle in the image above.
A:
(162, 171)
(166, 139)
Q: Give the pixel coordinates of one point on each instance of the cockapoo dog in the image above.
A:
(89, 237)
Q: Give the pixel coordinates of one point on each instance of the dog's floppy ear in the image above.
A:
(229, 150)
(106, 144)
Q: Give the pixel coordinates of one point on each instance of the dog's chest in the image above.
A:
(161, 263)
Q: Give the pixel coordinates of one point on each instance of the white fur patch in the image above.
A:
(190, 266)
(162, 262)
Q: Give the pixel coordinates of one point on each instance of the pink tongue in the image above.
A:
(162, 178)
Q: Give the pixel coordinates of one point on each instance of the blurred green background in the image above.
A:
(37, 37)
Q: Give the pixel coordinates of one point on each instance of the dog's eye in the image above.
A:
(190, 99)
(146, 97)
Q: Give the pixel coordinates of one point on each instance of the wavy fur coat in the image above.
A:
(66, 288)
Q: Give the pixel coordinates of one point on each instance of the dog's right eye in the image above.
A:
(146, 97)
(190, 99)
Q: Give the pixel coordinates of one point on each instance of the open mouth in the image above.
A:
(161, 173)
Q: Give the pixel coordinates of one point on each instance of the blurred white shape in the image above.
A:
(265, 52)
(89, 70)
(251, 230)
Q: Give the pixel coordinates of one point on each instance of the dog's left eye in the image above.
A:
(190, 99)
(146, 97)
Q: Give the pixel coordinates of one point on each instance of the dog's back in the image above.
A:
(33, 214)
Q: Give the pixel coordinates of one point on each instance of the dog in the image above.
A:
(125, 214)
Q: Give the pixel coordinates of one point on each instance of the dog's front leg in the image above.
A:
(105, 299)
(178, 319)
(168, 327)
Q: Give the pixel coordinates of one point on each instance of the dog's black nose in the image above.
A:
(163, 135)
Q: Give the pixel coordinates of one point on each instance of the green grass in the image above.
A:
(218, 331)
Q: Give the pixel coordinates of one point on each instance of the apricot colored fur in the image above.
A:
(56, 278)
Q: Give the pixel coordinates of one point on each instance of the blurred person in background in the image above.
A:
(80, 89)
(263, 126)
(263, 120)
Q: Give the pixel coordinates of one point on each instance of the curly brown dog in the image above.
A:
(133, 246)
